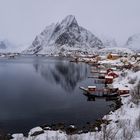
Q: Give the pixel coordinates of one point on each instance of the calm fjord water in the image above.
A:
(39, 90)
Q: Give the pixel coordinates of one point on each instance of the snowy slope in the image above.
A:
(63, 38)
(108, 41)
(117, 50)
(133, 42)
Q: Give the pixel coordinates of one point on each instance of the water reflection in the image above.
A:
(63, 73)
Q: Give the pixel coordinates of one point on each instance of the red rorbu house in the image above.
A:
(113, 74)
(108, 79)
(123, 91)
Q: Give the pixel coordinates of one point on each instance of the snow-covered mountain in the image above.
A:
(8, 47)
(66, 37)
(5, 46)
(133, 42)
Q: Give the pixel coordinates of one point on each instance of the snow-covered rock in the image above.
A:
(18, 137)
(133, 42)
(63, 38)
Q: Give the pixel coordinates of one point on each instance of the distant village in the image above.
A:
(109, 67)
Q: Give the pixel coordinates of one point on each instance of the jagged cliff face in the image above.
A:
(133, 42)
(63, 38)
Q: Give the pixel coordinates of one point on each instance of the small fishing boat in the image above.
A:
(89, 89)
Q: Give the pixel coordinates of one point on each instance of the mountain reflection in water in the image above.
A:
(63, 73)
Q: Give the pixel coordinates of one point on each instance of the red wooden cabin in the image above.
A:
(108, 79)
(113, 74)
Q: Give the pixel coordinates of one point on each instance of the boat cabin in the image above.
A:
(92, 88)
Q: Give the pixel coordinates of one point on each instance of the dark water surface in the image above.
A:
(37, 90)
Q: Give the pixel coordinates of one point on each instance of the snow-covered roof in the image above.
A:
(109, 77)
(91, 86)
(114, 54)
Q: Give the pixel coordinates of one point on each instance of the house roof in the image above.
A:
(114, 54)
(91, 86)
(109, 77)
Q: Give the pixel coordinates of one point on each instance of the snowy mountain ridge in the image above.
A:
(108, 41)
(6, 46)
(133, 42)
(117, 50)
(63, 38)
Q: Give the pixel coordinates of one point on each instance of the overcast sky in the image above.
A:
(22, 20)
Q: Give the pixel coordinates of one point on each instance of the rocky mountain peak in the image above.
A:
(68, 21)
(66, 37)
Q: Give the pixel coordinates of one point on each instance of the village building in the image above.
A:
(100, 58)
(113, 74)
(108, 79)
(112, 56)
